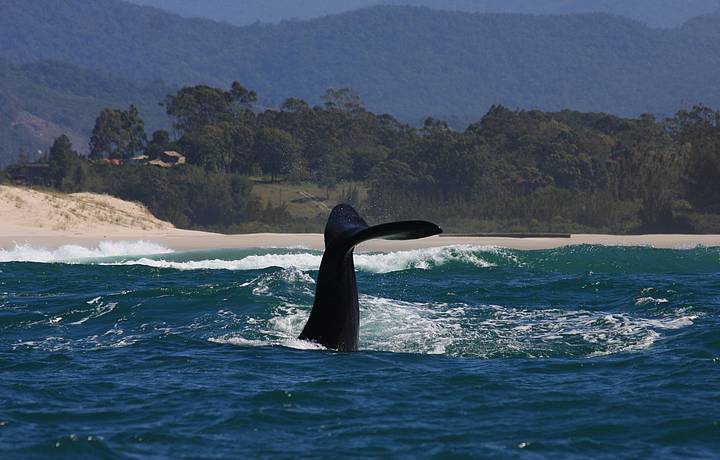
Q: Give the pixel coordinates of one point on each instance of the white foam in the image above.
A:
(101, 310)
(481, 331)
(289, 343)
(290, 276)
(75, 253)
(303, 261)
(376, 263)
(647, 300)
(423, 259)
(409, 327)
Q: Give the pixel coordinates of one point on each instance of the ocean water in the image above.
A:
(129, 350)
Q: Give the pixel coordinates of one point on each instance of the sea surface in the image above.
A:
(129, 350)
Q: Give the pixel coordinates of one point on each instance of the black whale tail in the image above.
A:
(335, 318)
(345, 229)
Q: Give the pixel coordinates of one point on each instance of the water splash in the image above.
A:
(486, 331)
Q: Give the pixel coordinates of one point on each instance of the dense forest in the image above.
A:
(511, 170)
(657, 13)
(407, 61)
(42, 100)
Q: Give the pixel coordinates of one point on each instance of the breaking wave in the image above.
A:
(76, 254)
(571, 259)
(422, 259)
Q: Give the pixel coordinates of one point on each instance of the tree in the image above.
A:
(107, 135)
(63, 162)
(196, 106)
(242, 97)
(134, 128)
(275, 150)
(118, 134)
(293, 104)
(659, 173)
(343, 99)
(699, 129)
(158, 144)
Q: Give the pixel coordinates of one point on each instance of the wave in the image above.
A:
(574, 259)
(77, 254)
(302, 261)
(421, 259)
(424, 259)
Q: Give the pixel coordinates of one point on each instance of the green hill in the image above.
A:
(40, 101)
(411, 62)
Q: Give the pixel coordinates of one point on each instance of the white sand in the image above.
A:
(50, 220)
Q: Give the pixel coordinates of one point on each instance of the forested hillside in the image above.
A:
(40, 101)
(657, 13)
(510, 171)
(410, 62)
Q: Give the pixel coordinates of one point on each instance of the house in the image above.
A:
(111, 161)
(140, 159)
(28, 173)
(168, 159)
(173, 157)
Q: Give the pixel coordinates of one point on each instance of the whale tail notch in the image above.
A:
(346, 229)
(335, 317)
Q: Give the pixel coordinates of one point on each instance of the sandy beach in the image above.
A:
(51, 220)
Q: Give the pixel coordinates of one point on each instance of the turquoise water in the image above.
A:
(466, 352)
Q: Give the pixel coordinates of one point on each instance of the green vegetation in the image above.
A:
(118, 134)
(406, 61)
(43, 100)
(251, 170)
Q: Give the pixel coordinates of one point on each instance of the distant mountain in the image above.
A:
(657, 13)
(246, 12)
(410, 62)
(407, 61)
(40, 101)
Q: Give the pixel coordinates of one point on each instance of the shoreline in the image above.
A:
(50, 220)
(189, 240)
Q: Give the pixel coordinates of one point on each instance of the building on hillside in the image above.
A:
(171, 156)
(28, 173)
(112, 161)
(168, 159)
(139, 159)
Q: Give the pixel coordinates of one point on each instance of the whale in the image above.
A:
(334, 320)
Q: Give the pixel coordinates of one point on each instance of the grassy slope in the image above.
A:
(304, 200)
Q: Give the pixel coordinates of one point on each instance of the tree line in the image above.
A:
(512, 170)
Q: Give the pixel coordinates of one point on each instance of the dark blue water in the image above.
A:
(466, 353)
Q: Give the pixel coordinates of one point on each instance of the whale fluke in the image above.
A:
(335, 317)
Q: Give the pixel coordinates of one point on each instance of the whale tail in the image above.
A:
(346, 229)
(334, 319)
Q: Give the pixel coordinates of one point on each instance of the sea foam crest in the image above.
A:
(74, 253)
(375, 263)
(301, 261)
(423, 259)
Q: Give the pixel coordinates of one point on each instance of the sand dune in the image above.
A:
(50, 220)
(34, 211)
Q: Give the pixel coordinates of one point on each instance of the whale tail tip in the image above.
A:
(347, 228)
